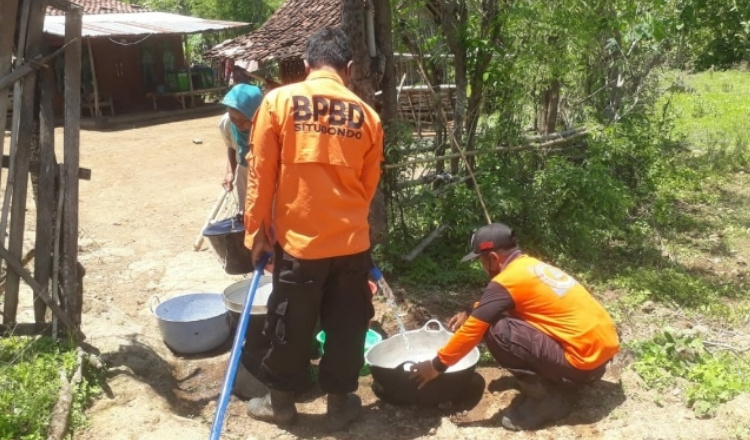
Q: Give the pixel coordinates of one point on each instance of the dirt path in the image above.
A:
(150, 192)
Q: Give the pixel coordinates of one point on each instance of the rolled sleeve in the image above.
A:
(462, 342)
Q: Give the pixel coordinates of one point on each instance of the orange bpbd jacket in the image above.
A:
(556, 304)
(313, 168)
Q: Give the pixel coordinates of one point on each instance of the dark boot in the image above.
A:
(342, 410)
(275, 407)
(542, 403)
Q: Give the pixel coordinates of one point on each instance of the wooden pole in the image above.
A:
(29, 66)
(71, 289)
(188, 61)
(56, 247)
(60, 417)
(26, 258)
(8, 12)
(8, 15)
(97, 112)
(45, 212)
(16, 267)
(414, 253)
(20, 173)
(17, 100)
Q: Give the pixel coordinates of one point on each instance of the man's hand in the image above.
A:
(457, 321)
(261, 245)
(423, 373)
(228, 182)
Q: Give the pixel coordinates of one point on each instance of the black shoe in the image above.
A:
(343, 409)
(275, 407)
(542, 403)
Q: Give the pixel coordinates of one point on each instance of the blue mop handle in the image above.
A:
(234, 356)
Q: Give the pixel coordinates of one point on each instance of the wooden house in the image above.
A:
(134, 59)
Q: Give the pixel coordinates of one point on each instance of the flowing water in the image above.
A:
(390, 299)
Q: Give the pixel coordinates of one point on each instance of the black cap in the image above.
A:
(493, 237)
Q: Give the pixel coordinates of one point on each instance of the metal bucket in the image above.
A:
(234, 300)
(227, 237)
(234, 295)
(391, 360)
(192, 323)
(256, 343)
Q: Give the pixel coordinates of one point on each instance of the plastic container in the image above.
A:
(183, 83)
(371, 338)
(170, 79)
(177, 80)
(202, 77)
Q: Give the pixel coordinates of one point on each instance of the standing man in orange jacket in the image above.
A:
(314, 165)
(537, 321)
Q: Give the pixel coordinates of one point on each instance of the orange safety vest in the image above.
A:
(557, 305)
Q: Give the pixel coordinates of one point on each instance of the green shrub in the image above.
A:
(30, 382)
(679, 359)
(565, 206)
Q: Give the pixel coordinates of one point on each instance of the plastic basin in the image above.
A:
(371, 338)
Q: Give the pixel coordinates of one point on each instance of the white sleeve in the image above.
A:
(225, 128)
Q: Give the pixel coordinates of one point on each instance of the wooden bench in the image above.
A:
(88, 102)
(180, 96)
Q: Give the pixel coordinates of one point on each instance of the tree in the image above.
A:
(714, 33)
(254, 12)
(367, 71)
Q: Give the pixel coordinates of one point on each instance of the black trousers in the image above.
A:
(336, 291)
(523, 350)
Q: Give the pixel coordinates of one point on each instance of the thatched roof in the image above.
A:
(284, 34)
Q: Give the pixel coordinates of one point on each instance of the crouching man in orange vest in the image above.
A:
(537, 321)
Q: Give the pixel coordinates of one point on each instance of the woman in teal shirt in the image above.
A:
(242, 101)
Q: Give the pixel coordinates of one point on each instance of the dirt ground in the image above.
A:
(150, 192)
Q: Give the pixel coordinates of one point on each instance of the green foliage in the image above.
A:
(564, 207)
(672, 284)
(30, 382)
(679, 359)
(712, 118)
(713, 33)
(568, 206)
(613, 208)
(254, 12)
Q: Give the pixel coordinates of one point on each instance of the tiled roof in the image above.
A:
(284, 34)
(93, 7)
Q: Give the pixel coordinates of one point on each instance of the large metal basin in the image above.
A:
(192, 323)
(391, 360)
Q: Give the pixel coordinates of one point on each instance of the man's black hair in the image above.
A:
(328, 47)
